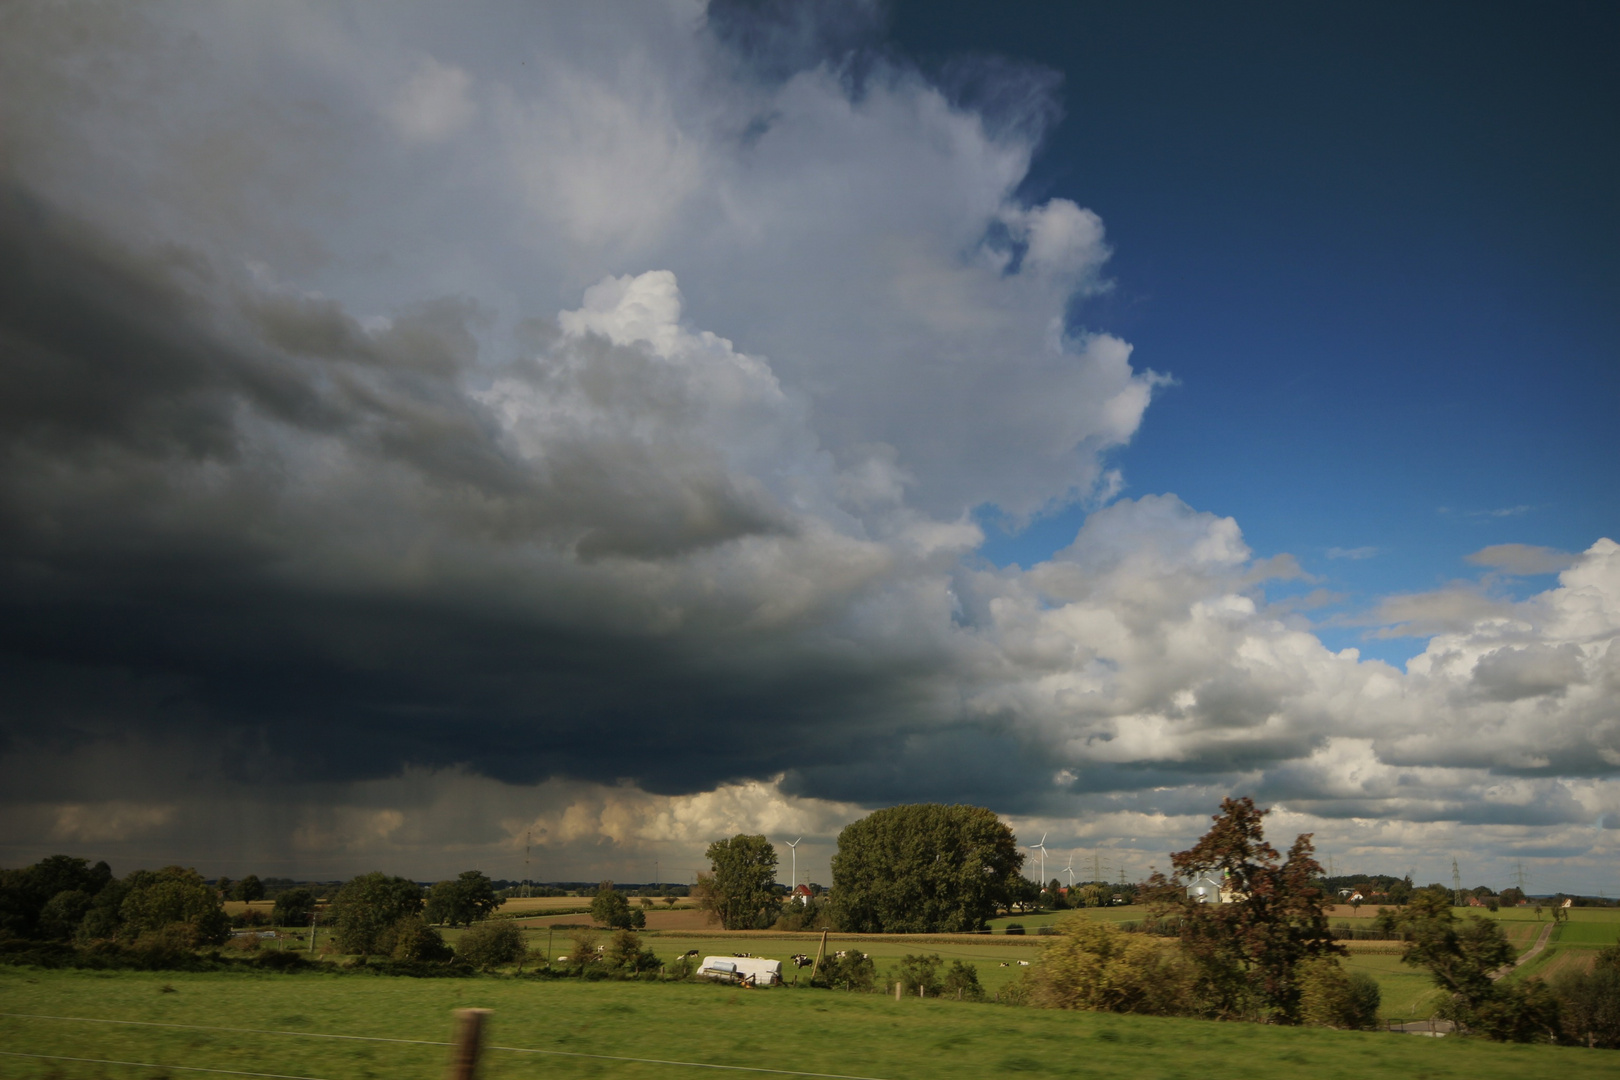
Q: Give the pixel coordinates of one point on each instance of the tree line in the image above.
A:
(1269, 955)
(160, 914)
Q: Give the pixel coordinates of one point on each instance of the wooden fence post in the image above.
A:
(820, 952)
(465, 1043)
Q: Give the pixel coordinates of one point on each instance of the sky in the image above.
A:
(550, 438)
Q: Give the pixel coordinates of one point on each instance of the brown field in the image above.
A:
(544, 903)
(658, 919)
(1566, 959)
(237, 907)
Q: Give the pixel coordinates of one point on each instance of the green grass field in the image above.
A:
(1121, 913)
(1597, 927)
(986, 957)
(827, 1032)
(1407, 992)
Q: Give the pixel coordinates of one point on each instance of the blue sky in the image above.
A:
(596, 424)
(1377, 245)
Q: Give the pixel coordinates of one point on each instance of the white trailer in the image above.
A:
(743, 970)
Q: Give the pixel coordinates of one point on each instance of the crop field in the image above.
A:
(1590, 926)
(543, 904)
(1575, 943)
(271, 1023)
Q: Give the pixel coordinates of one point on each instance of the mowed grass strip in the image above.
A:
(863, 1035)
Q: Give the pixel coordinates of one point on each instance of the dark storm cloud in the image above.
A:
(157, 554)
(389, 421)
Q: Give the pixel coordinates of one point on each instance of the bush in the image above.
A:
(166, 947)
(920, 971)
(851, 971)
(1589, 1002)
(293, 908)
(412, 939)
(1094, 966)
(1518, 1012)
(1332, 997)
(491, 943)
(281, 960)
(582, 953)
(1015, 929)
(625, 954)
(962, 980)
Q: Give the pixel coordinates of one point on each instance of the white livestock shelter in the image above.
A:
(745, 970)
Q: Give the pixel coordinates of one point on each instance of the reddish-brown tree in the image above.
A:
(1249, 949)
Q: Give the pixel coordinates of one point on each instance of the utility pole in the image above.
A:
(1521, 877)
(526, 878)
(1456, 884)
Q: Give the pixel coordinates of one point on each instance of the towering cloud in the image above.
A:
(413, 438)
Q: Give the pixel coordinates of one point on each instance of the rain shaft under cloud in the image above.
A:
(570, 424)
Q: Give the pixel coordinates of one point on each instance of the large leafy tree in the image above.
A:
(740, 889)
(1250, 949)
(26, 893)
(610, 908)
(162, 899)
(462, 900)
(368, 906)
(293, 908)
(1460, 955)
(924, 868)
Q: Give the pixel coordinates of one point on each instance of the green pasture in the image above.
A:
(885, 952)
(1408, 993)
(1118, 913)
(1575, 943)
(829, 1032)
(1597, 927)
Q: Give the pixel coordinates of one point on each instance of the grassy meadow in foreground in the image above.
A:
(859, 1035)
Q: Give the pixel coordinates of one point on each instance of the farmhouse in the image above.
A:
(1205, 889)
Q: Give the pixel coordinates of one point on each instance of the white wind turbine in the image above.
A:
(794, 847)
(1041, 847)
(1070, 871)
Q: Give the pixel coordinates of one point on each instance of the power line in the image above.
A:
(152, 1065)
